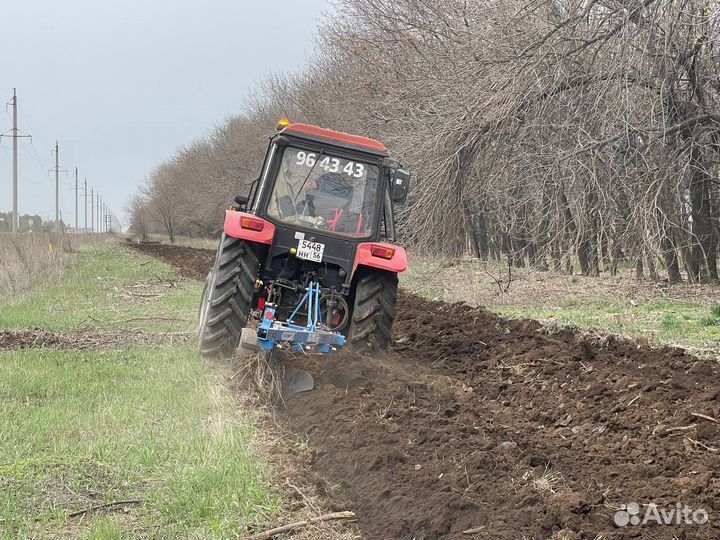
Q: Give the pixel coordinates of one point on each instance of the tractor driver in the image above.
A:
(339, 199)
(292, 200)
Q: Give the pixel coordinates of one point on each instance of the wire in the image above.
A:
(42, 167)
(27, 122)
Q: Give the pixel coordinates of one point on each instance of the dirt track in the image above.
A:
(39, 338)
(476, 423)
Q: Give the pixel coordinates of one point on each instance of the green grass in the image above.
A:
(415, 278)
(107, 287)
(153, 424)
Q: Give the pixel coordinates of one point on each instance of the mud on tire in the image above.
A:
(227, 297)
(373, 310)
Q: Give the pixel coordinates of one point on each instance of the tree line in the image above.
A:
(27, 223)
(552, 133)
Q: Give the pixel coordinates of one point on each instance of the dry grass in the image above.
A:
(486, 284)
(186, 241)
(549, 482)
(30, 259)
(255, 368)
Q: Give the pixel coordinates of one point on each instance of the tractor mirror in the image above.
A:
(241, 202)
(400, 186)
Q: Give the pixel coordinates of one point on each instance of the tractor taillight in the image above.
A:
(382, 252)
(252, 224)
(261, 303)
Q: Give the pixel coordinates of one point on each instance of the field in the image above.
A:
(473, 425)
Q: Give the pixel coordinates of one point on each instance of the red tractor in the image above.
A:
(309, 251)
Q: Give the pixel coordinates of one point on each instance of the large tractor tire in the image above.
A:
(373, 310)
(227, 297)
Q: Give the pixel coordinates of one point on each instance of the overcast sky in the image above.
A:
(121, 84)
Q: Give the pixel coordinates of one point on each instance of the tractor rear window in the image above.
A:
(325, 192)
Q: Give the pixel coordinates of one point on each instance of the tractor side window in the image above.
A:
(325, 192)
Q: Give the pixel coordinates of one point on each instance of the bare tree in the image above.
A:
(139, 220)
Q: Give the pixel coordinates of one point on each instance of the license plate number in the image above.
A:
(310, 251)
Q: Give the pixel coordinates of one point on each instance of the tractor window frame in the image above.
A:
(388, 219)
(262, 184)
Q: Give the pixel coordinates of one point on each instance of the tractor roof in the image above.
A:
(339, 138)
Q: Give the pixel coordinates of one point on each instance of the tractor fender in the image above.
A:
(256, 229)
(364, 257)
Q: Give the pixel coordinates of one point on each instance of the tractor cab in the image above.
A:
(323, 180)
(318, 184)
(319, 218)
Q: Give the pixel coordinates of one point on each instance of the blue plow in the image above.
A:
(314, 336)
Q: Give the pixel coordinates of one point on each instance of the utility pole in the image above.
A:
(85, 201)
(15, 164)
(15, 136)
(57, 186)
(98, 211)
(85, 196)
(92, 211)
(77, 224)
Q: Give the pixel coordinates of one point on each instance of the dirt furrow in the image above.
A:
(475, 423)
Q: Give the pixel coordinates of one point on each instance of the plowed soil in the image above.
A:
(475, 426)
(194, 263)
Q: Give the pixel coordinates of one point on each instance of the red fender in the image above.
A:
(248, 227)
(397, 263)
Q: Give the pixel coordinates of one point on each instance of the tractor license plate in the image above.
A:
(310, 251)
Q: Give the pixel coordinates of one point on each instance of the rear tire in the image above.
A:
(227, 298)
(373, 311)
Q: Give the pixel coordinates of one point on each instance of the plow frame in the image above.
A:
(272, 333)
